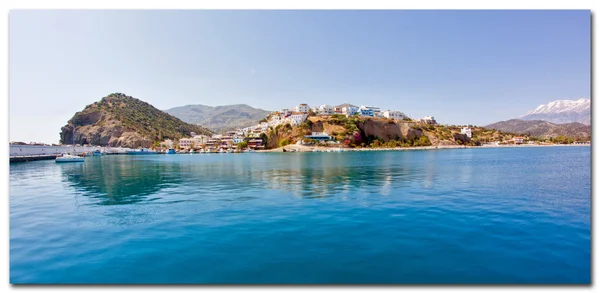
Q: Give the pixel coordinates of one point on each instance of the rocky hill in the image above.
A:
(378, 132)
(121, 120)
(219, 118)
(542, 129)
(562, 111)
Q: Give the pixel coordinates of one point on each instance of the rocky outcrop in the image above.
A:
(122, 121)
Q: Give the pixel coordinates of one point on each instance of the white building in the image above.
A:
(376, 110)
(467, 131)
(302, 108)
(168, 143)
(349, 111)
(297, 118)
(518, 139)
(264, 126)
(285, 112)
(200, 140)
(325, 110)
(397, 115)
(365, 111)
(186, 143)
(428, 120)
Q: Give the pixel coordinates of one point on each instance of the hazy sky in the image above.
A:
(462, 67)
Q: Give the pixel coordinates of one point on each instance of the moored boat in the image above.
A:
(171, 151)
(66, 158)
(142, 151)
(70, 158)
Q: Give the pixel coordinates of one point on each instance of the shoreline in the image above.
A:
(305, 149)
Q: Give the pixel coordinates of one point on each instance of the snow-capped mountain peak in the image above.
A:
(562, 111)
(560, 106)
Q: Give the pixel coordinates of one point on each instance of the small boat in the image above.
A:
(97, 153)
(66, 158)
(171, 151)
(70, 158)
(221, 151)
(142, 151)
(192, 151)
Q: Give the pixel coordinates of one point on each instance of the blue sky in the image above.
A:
(462, 67)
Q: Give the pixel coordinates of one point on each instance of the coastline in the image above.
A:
(304, 149)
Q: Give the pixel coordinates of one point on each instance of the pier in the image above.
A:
(16, 159)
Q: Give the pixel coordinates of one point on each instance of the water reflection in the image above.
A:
(117, 180)
(120, 180)
(321, 175)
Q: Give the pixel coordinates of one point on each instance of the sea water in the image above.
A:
(459, 216)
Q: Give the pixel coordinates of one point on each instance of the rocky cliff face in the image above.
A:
(360, 131)
(122, 121)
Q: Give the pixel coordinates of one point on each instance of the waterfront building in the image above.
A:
(320, 136)
(256, 144)
(186, 143)
(167, 144)
(200, 140)
(467, 131)
(518, 139)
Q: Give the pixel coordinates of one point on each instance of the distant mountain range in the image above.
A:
(541, 128)
(562, 111)
(219, 118)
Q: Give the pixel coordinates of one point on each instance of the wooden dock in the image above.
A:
(16, 159)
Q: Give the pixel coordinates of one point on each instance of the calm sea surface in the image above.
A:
(511, 215)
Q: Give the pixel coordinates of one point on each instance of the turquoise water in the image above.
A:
(463, 216)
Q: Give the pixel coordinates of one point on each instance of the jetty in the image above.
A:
(16, 159)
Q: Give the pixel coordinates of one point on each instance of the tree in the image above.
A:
(242, 145)
(311, 113)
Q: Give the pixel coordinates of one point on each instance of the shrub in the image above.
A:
(284, 142)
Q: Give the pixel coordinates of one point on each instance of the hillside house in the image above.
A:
(467, 131)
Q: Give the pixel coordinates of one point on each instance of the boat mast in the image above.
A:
(73, 138)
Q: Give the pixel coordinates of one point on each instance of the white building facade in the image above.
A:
(396, 115)
(302, 108)
(467, 131)
(325, 110)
